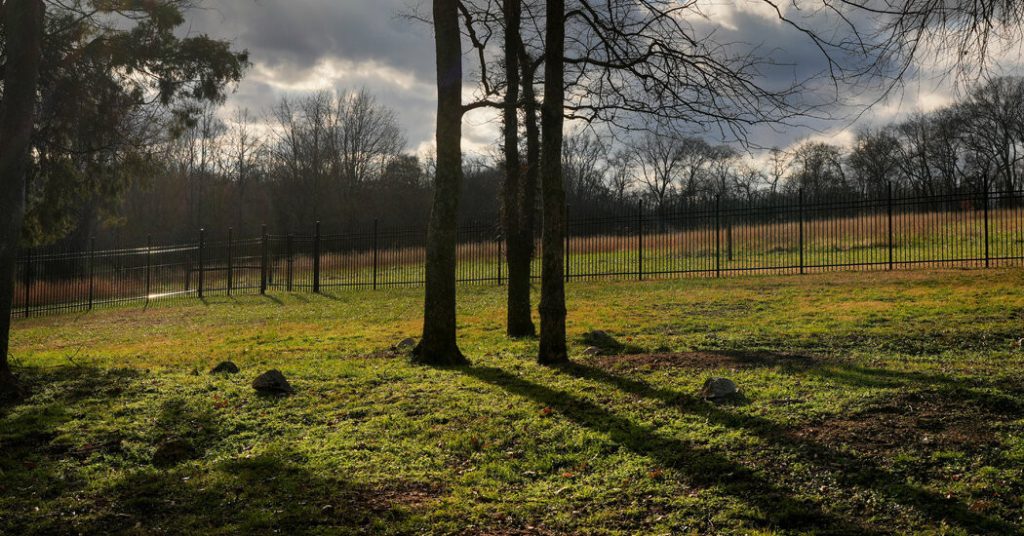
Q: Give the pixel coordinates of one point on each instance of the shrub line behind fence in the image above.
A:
(949, 230)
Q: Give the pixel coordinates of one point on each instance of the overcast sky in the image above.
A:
(304, 45)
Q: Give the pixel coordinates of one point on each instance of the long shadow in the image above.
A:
(271, 492)
(852, 470)
(702, 467)
(274, 299)
(972, 389)
(266, 494)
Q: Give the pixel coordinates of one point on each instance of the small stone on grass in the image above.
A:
(225, 367)
(405, 345)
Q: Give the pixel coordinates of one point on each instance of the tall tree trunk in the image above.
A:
(438, 345)
(23, 24)
(519, 250)
(552, 298)
(531, 180)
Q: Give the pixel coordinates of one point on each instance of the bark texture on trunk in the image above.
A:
(519, 244)
(552, 298)
(438, 345)
(23, 25)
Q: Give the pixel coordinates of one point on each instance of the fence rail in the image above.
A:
(711, 240)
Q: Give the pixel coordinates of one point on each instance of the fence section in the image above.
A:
(717, 239)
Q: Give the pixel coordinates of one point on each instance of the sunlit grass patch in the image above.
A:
(872, 403)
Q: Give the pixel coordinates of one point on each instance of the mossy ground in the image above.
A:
(872, 403)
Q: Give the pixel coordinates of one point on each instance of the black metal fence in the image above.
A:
(716, 239)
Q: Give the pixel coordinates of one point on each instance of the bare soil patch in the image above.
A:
(929, 420)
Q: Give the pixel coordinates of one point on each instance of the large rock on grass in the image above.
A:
(272, 382)
(718, 389)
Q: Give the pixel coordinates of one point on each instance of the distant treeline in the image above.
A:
(341, 158)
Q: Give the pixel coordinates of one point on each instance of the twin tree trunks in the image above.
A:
(438, 345)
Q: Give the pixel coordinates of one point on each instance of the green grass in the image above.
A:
(872, 403)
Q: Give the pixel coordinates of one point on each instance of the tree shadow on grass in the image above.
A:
(267, 493)
(850, 470)
(777, 507)
(55, 484)
(990, 393)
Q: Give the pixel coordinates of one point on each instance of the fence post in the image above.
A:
(290, 263)
(202, 245)
(149, 263)
(92, 269)
(263, 260)
(316, 259)
(890, 227)
(801, 231)
(375, 254)
(28, 279)
(499, 259)
(568, 259)
(987, 196)
(231, 243)
(718, 236)
(640, 239)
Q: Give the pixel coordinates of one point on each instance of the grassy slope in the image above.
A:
(873, 403)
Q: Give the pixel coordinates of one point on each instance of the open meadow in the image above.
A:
(870, 403)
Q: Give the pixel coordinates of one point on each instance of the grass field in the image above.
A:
(872, 403)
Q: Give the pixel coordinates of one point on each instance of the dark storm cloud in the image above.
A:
(302, 45)
(296, 34)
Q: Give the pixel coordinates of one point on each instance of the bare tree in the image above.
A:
(519, 235)
(246, 156)
(620, 175)
(817, 169)
(553, 348)
(778, 163)
(993, 123)
(659, 161)
(438, 345)
(874, 161)
(365, 138)
(748, 181)
(584, 162)
(964, 35)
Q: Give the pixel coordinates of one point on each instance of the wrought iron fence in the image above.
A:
(712, 239)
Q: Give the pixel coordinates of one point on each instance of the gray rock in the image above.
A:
(225, 367)
(173, 452)
(405, 345)
(719, 389)
(272, 382)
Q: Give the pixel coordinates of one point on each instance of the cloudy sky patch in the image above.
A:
(308, 45)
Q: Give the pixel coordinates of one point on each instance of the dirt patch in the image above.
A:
(928, 420)
(406, 494)
(704, 360)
